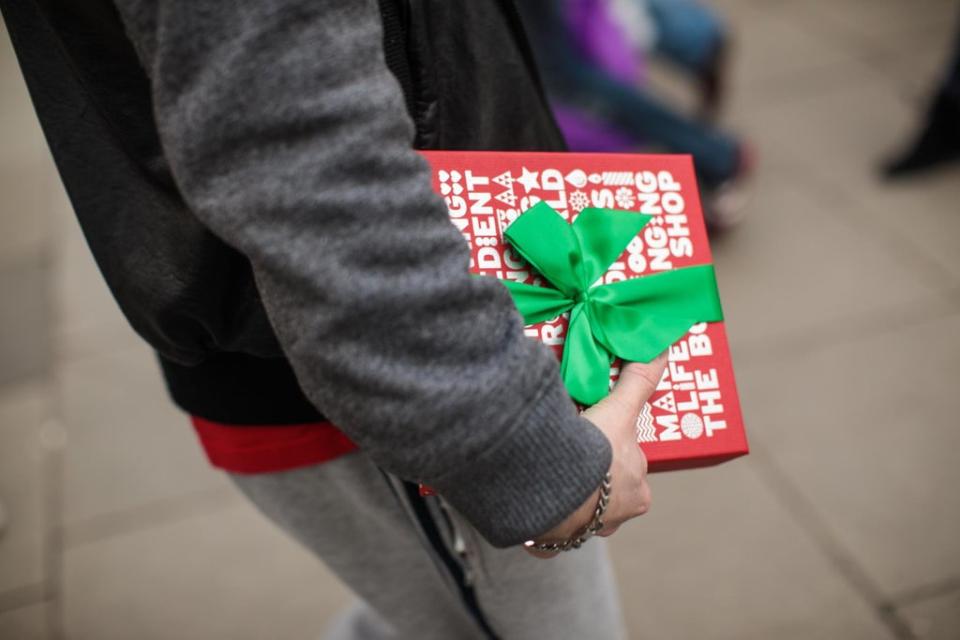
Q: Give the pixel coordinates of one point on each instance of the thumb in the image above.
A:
(637, 383)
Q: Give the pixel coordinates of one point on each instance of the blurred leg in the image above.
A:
(359, 622)
(716, 154)
(347, 514)
(3, 520)
(938, 141)
(688, 33)
(580, 85)
(400, 554)
(571, 596)
(694, 37)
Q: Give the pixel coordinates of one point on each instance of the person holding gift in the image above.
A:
(245, 176)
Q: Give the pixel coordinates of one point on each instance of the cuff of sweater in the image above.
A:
(532, 480)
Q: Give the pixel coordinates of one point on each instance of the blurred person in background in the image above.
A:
(694, 38)
(938, 141)
(244, 173)
(591, 55)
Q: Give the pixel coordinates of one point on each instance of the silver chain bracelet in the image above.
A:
(592, 528)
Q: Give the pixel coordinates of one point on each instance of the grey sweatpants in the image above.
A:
(422, 572)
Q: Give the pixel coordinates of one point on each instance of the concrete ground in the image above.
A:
(843, 304)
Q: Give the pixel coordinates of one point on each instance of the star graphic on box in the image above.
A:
(529, 179)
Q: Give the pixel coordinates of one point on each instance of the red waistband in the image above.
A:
(270, 448)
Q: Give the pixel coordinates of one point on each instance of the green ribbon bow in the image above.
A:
(633, 319)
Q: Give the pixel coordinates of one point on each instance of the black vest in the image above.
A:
(469, 82)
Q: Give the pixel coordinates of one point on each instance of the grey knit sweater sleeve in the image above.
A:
(289, 139)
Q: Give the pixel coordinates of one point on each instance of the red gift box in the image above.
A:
(693, 419)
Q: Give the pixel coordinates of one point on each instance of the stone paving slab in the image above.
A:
(796, 267)
(937, 618)
(719, 557)
(25, 623)
(923, 214)
(25, 226)
(836, 137)
(770, 51)
(23, 410)
(916, 70)
(229, 574)
(25, 349)
(22, 137)
(867, 431)
(868, 27)
(129, 445)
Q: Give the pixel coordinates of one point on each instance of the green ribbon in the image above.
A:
(634, 319)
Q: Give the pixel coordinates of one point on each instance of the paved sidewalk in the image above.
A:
(843, 303)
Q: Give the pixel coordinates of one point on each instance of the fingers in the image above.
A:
(639, 380)
(637, 383)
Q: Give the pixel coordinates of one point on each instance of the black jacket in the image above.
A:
(469, 83)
